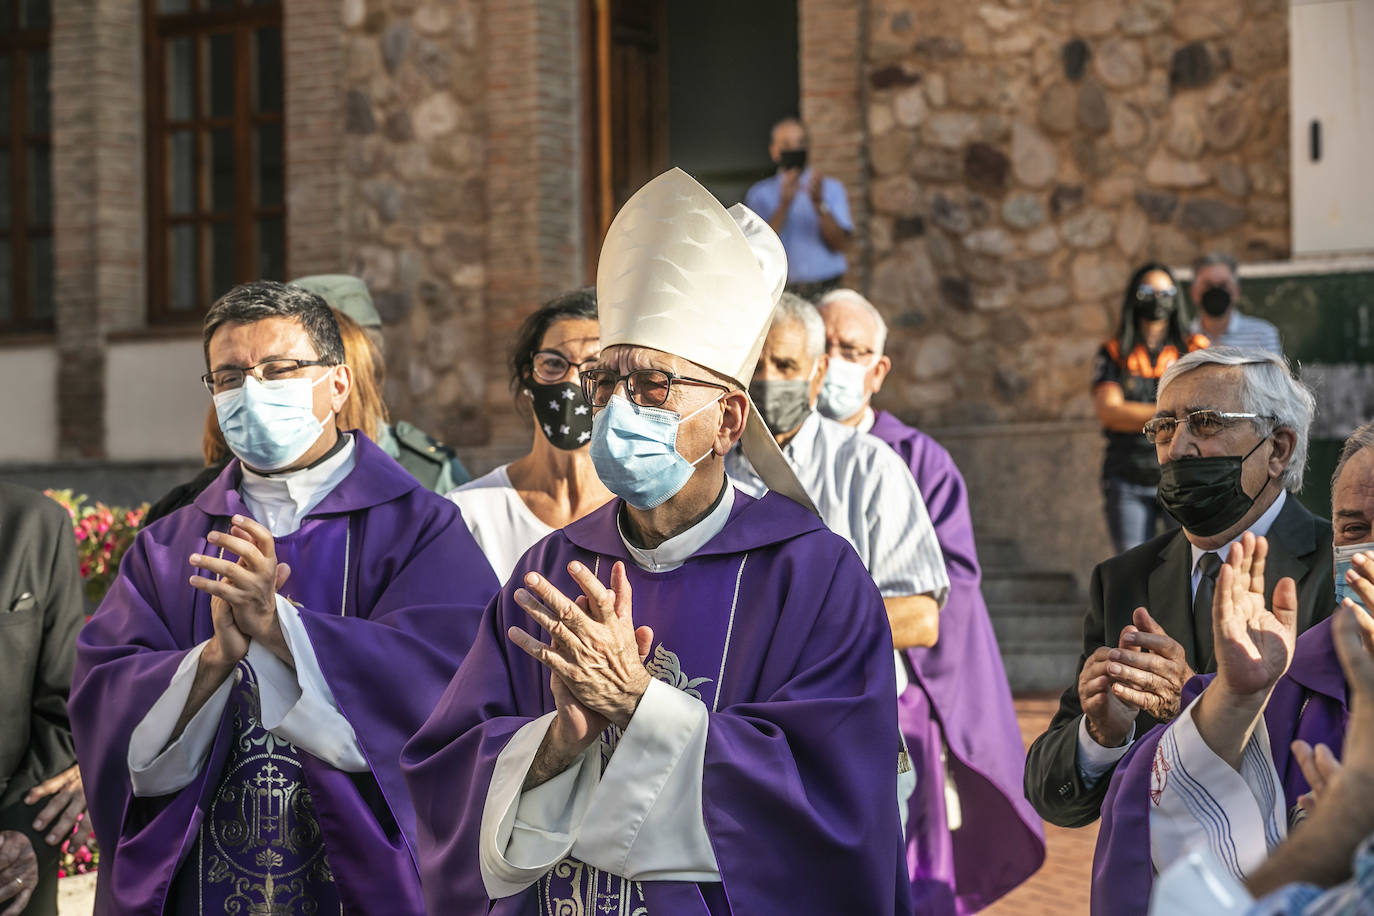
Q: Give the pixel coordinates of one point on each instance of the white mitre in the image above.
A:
(681, 274)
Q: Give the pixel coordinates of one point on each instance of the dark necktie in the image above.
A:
(1209, 564)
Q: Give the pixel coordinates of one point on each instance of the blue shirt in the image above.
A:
(808, 258)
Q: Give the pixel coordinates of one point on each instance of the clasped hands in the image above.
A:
(595, 655)
(243, 593)
(1145, 671)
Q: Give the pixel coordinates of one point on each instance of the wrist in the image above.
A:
(216, 659)
(1107, 736)
(630, 700)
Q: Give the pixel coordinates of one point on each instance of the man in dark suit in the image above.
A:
(1230, 432)
(40, 612)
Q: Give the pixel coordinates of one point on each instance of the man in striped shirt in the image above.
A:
(1215, 291)
(862, 490)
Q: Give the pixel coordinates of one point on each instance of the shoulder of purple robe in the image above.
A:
(943, 489)
(1315, 665)
(800, 755)
(126, 655)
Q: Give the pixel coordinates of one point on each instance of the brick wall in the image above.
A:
(98, 186)
(313, 64)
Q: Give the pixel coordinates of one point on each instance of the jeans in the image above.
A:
(1133, 513)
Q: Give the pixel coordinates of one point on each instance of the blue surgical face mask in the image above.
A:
(634, 451)
(270, 425)
(843, 393)
(1343, 559)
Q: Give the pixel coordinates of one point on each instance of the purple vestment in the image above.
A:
(1309, 702)
(390, 587)
(960, 691)
(775, 625)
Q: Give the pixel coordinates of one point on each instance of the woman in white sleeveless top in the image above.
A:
(516, 505)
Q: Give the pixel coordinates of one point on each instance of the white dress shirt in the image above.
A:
(1094, 760)
(296, 705)
(641, 819)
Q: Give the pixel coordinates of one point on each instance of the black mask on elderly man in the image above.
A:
(1204, 494)
(1216, 301)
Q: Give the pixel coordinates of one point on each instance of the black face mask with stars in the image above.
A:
(563, 414)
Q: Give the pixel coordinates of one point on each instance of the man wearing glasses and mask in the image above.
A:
(1230, 432)
(242, 694)
(686, 676)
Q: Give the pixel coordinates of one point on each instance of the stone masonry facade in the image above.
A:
(1024, 156)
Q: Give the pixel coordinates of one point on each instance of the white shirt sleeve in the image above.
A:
(158, 768)
(1199, 801)
(1196, 885)
(1094, 760)
(298, 705)
(645, 820)
(646, 823)
(900, 546)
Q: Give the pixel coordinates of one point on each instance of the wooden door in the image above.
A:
(627, 107)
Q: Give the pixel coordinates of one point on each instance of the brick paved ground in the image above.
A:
(1061, 886)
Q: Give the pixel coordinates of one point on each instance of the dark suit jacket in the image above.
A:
(40, 612)
(1158, 575)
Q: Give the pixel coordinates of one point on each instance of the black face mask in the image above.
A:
(562, 412)
(1204, 494)
(1158, 308)
(1216, 301)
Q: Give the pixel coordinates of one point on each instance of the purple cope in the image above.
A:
(959, 690)
(388, 630)
(1308, 703)
(779, 630)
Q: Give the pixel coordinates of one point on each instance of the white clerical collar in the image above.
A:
(281, 501)
(1259, 529)
(869, 418)
(675, 551)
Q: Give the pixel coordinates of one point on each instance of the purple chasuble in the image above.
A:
(959, 690)
(776, 626)
(1308, 703)
(390, 587)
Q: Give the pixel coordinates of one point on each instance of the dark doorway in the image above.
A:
(691, 83)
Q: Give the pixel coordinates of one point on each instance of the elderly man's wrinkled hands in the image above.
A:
(1253, 646)
(1148, 668)
(594, 648)
(66, 803)
(1108, 718)
(246, 587)
(18, 871)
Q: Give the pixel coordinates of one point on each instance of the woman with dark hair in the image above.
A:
(516, 505)
(1152, 334)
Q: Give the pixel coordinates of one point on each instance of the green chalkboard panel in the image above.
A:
(1327, 323)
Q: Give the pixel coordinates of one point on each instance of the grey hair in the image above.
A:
(792, 307)
(856, 297)
(1267, 388)
(1215, 257)
(1361, 439)
(263, 299)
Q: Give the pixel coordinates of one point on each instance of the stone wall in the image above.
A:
(413, 198)
(1026, 155)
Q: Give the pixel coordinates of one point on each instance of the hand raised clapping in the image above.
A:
(1253, 646)
(594, 650)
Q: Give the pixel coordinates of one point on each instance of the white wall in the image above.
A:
(28, 404)
(155, 403)
(1332, 85)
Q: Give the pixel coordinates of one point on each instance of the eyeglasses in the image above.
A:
(1201, 423)
(646, 387)
(850, 353)
(266, 371)
(551, 367)
(1147, 293)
